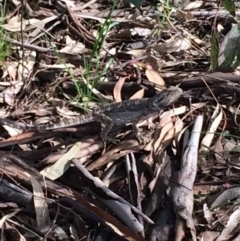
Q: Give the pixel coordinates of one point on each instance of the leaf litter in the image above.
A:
(67, 57)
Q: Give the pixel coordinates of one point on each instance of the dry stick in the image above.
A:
(224, 114)
(36, 48)
(87, 4)
(235, 116)
(83, 32)
(45, 32)
(28, 46)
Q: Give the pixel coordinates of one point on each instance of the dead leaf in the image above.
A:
(154, 77)
(117, 89)
(218, 151)
(143, 32)
(209, 236)
(8, 216)
(61, 166)
(208, 215)
(39, 26)
(138, 95)
(202, 190)
(193, 5)
(137, 52)
(26, 66)
(225, 196)
(173, 46)
(185, 15)
(207, 139)
(115, 153)
(168, 131)
(12, 71)
(73, 47)
(9, 96)
(40, 203)
(232, 227)
(17, 24)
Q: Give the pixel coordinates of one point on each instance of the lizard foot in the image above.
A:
(142, 139)
(105, 140)
(109, 139)
(151, 126)
(112, 140)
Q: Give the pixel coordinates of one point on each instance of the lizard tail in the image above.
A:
(44, 127)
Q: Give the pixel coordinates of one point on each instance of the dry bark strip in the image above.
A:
(182, 192)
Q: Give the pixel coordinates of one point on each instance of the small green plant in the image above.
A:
(4, 45)
(165, 11)
(92, 64)
(94, 58)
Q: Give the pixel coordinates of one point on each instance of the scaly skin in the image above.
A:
(128, 111)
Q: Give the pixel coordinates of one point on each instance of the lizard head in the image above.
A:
(165, 98)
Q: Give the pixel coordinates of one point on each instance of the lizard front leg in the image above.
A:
(141, 139)
(106, 126)
(135, 128)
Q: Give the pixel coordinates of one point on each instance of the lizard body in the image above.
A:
(129, 111)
